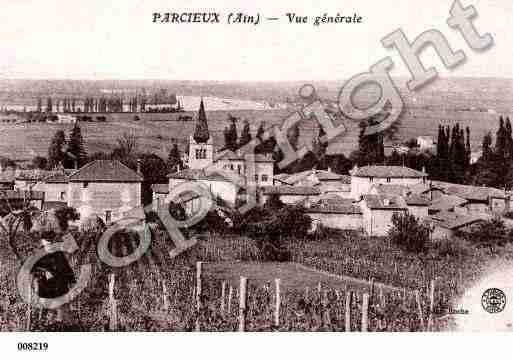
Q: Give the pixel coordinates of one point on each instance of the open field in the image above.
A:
(473, 102)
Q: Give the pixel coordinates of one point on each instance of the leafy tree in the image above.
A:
(76, 149)
(174, 160)
(230, 134)
(245, 136)
(408, 233)
(49, 105)
(56, 149)
(40, 162)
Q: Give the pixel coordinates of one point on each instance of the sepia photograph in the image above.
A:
(239, 167)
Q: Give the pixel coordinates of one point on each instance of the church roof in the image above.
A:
(105, 171)
(201, 133)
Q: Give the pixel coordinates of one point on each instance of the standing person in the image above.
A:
(55, 276)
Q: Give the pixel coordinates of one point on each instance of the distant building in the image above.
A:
(426, 143)
(446, 225)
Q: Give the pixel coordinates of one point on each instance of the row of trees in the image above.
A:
(70, 154)
(495, 166)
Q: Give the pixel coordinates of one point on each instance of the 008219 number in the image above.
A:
(32, 346)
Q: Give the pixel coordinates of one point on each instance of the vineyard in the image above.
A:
(222, 284)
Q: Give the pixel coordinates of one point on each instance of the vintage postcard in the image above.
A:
(177, 166)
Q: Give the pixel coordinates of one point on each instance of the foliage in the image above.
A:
(489, 234)
(40, 162)
(408, 233)
(174, 160)
(56, 150)
(76, 152)
(245, 136)
(230, 134)
(64, 215)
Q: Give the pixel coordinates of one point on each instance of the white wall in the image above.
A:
(420, 212)
(99, 197)
(362, 185)
(338, 220)
(377, 222)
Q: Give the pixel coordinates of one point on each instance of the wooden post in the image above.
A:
(223, 297)
(431, 304)
(419, 308)
(371, 289)
(242, 303)
(165, 296)
(349, 298)
(113, 324)
(365, 312)
(199, 266)
(230, 296)
(29, 309)
(278, 303)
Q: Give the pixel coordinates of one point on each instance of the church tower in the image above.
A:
(201, 147)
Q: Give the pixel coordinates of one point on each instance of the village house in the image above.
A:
(362, 179)
(377, 212)
(104, 188)
(328, 182)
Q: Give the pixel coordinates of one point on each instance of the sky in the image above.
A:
(98, 39)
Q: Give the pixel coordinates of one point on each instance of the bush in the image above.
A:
(408, 233)
(489, 234)
(64, 215)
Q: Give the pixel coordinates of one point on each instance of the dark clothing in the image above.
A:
(62, 276)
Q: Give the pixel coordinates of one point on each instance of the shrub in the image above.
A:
(491, 233)
(64, 215)
(408, 233)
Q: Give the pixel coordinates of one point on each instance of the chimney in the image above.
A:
(139, 166)
(329, 169)
(75, 164)
(386, 202)
(423, 169)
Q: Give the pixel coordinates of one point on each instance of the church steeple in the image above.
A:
(201, 134)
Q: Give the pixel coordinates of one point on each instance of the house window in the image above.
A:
(85, 184)
(231, 167)
(371, 179)
(388, 179)
(63, 196)
(256, 178)
(108, 216)
(239, 168)
(264, 178)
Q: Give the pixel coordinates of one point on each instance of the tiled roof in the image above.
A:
(321, 175)
(451, 220)
(13, 194)
(340, 205)
(7, 176)
(334, 187)
(59, 176)
(374, 201)
(202, 174)
(229, 155)
(416, 200)
(105, 171)
(282, 177)
(291, 190)
(446, 202)
(387, 172)
(32, 175)
(471, 193)
(160, 188)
